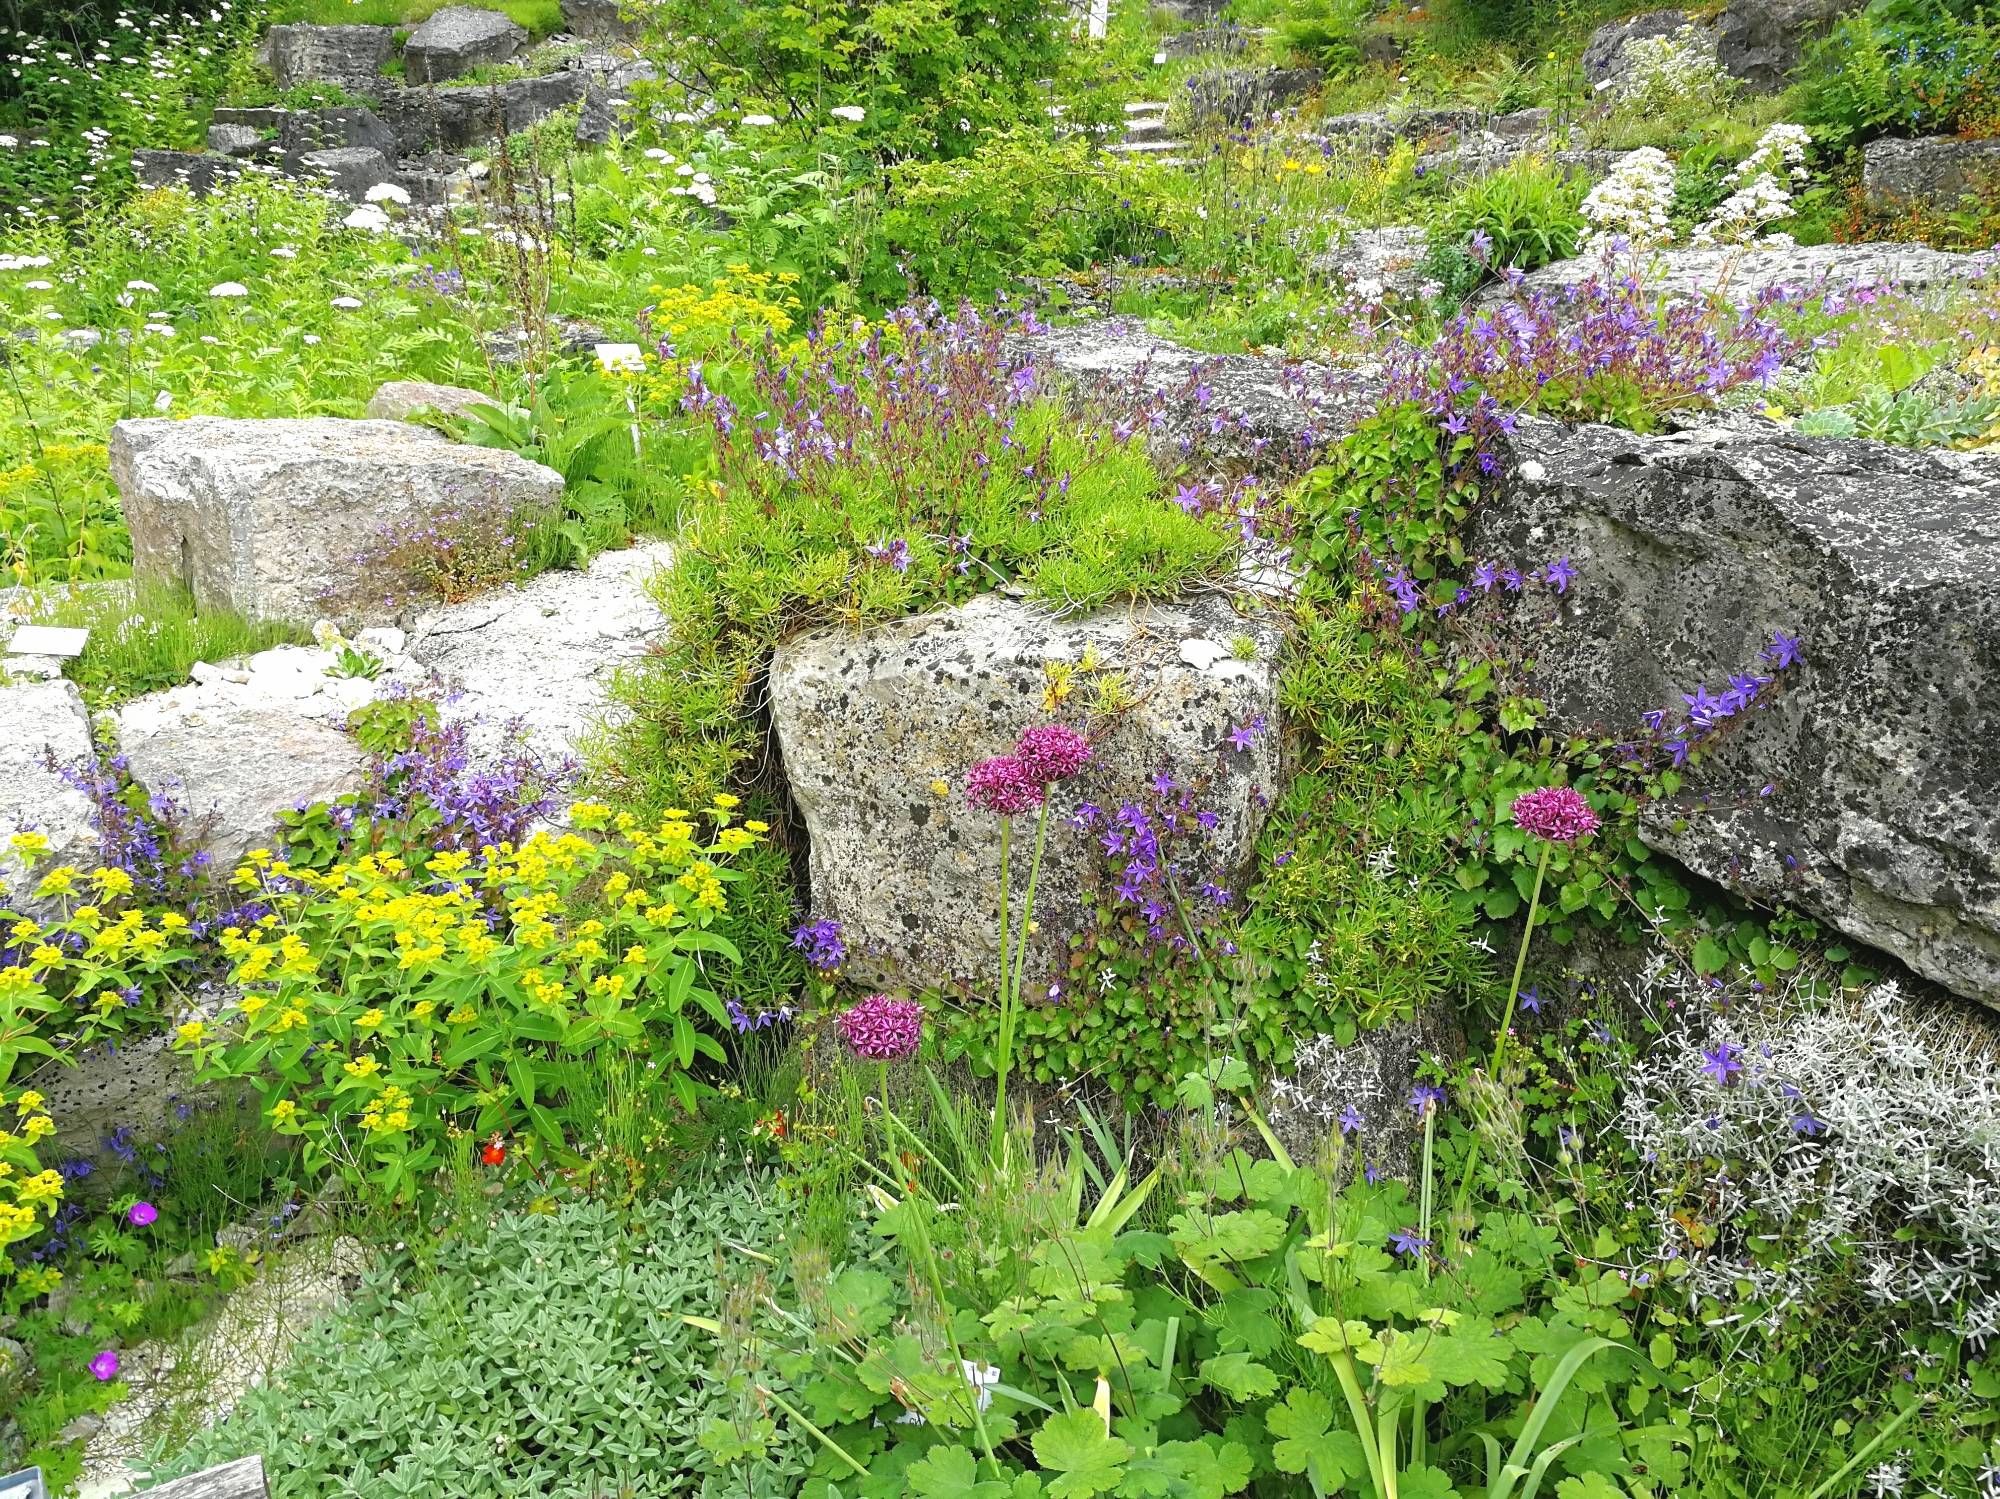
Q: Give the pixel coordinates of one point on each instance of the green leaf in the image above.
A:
(1308, 1444)
(1425, 1482)
(1239, 1376)
(952, 1473)
(1710, 956)
(1076, 1446)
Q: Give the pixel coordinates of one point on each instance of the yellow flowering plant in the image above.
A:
(387, 1006)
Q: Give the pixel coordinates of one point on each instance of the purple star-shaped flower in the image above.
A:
(1350, 1120)
(1722, 1062)
(1784, 650)
(1560, 574)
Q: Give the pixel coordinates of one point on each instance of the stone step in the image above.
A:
(1147, 129)
(1146, 107)
(1148, 148)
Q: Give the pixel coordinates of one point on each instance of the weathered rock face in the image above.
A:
(270, 518)
(1230, 410)
(347, 170)
(1882, 757)
(401, 400)
(235, 753)
(450, 119)
(458, 39)
(605, 107)
(200, 172)
(1763, 41)
(1742, 275)
(1387, 260)
(604, 20)
(239, 140)
(350, 56)
(1604, 58)
(541, 655)
(46, 730)
(867, 721)
(1234, 96)
(304, 130)
(1933, 173)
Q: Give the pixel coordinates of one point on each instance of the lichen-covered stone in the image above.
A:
(450, 119)
(458, 39)
(200, 172)
(406, 400)
(347, 170)
(350, 56)
(1864, 794)
(1742, 274)
(1762, 42)
(1228, 410)
(1383, 261)
(46, 730)
(1604, 59)
(270, 518)
(867, 721)
(304, 130)
(604, 20)
(1933, 173)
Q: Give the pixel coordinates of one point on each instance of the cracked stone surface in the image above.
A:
(1864, 792)
(44, 721)
(542, 654)
(1742, 274)
(868, 721)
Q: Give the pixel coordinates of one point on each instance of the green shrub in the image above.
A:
(1530, 209)
(1327, 34)
(537, 1353)
(1902, 67)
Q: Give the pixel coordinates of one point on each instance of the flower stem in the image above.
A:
(1010, 983)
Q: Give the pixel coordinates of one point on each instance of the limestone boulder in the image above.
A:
(541, 656)
(1379, 262)
(241, 745)
(200, 172)
(1933, 173)
(347, 170)
(1244, 411)
(450, 119)
(606, 109)
(1743, 274)
(277, 519)
(240, 141)
(867, 723)
(409, 400)
(1227, 97)
(458, 39)
(604, 20)
(349, 56)
(47, 731)
(304, 130)
(1762, 42)
(1863, 792)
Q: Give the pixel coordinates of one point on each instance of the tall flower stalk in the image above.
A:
(1556, 816)
(1008, 785)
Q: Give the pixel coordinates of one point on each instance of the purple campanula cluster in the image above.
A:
(744, 1021)
(1675, 733)
(881, 1028)
(821, 943)
(138, 831)
(1151, 847)
(478, 799)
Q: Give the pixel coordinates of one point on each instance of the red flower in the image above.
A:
(493, 1153)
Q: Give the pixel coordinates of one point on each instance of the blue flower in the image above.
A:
(1784, 650)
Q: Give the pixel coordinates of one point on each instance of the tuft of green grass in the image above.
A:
(147, 638)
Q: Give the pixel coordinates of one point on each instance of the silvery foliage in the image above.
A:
(1860, 1129)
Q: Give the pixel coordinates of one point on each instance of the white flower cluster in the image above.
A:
(1863, 1133)
(1763, 183)
(1633, 203)
(1670, 74)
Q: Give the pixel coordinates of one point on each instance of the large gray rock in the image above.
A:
(46, 731)
(330, 129)
(604, 20)
(1934, 173)
(405, 400)
(541, 656)
(1227, 410)
(458, 39)
(606, 109)
(1864, 792)
(1391, 259)
(235, 754)
(272, 518)
(1742, 275)
(450, 119)
(866, 722)
(347, 170)
(200, 172)
(1604, 58)
(348, 56)
(1228, 97)
(240, 140)
(1763, 41)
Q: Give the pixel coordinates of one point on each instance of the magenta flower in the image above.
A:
(1557, 813)
(883, 1029)
(1004, 785)
(1052, 752)
(105, 1365)
(142, 1213)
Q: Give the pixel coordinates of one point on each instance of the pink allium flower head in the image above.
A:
(1557, 813)
(1003, 785)
(105, 1365)
(142, 1213)
(1052, 752)
(883, 1029)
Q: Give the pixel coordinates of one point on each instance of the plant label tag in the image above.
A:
(45, 640)
(622, 359)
